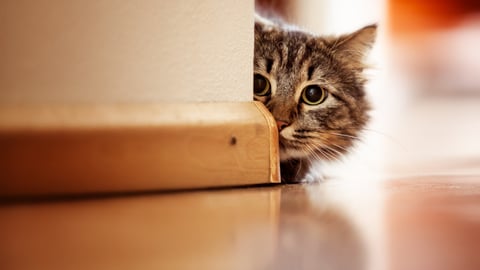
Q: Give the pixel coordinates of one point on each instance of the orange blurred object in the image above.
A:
(413, 16)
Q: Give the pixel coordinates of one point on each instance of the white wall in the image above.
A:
(125, 51)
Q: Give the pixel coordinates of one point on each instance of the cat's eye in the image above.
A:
(314, 95)
(261, 86)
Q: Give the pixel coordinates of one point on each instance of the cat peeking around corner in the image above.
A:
(314, 88)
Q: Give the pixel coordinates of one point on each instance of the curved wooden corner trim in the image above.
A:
(274, 144)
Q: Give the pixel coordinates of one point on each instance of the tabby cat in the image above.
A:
(314, 87)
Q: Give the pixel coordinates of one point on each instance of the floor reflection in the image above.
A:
(222, 229)
(277, 227)
(315, 234)
(434, 223)
(405, 224)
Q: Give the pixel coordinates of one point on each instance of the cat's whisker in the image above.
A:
(323, 154)
(317, 155)
(309, 150)
(318, 145)
(291, 162)
(337, 146)
(330, 156)
(319, 148)
(332, 153)
(332, 149)
(324, 143)
(340, 147)
(314, 153)
(356, 138)
(343, 135)
(385, 135)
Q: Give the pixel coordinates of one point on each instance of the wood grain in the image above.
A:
(190, 230)
(58, 149)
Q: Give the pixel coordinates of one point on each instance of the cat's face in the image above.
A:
(314, 88)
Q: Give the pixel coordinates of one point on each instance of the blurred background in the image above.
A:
(426, 97)
(424, 82)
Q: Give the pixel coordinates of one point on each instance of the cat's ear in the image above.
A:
(355, 46)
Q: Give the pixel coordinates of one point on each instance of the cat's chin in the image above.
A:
(287, 153)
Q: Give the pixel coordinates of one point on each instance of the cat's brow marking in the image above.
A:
(310, 72)
(269, 65)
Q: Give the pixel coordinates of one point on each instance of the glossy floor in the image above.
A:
(421, 223)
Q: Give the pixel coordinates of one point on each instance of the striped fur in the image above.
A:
(292, 59)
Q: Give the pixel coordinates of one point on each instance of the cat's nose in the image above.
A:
(281, 125)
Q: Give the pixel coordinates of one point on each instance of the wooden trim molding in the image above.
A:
(83, 149)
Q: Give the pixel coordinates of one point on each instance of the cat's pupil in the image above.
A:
(261, 86)
(313, 94)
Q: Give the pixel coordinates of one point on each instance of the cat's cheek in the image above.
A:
(283, 155)
(287, 133)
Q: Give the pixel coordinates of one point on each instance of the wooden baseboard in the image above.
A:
(82, 149)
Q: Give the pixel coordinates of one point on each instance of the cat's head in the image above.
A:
(313, 86)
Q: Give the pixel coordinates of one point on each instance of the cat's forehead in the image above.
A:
(276, 37)
(291, 48)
